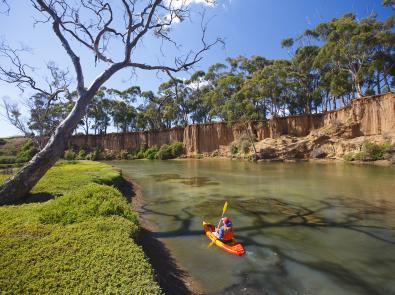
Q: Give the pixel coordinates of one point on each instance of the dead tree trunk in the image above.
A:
(20, 184)
(64, 24)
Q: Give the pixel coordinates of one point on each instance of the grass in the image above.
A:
(80, 242)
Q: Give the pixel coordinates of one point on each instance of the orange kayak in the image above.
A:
(234, 247)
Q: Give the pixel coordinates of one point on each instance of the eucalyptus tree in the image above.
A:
(175, 94)
(197, 88)
(91, 24)
(349, 45)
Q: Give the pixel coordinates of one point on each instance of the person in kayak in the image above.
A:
(225, 232)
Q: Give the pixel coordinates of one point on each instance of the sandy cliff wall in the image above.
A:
(127, 141)
(368, 116)
(374, 115)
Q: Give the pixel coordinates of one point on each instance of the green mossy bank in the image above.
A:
(81, 242)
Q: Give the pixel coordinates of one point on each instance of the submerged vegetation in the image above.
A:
(79, 242)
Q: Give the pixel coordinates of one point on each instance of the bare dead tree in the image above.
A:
(4, 7)
(95, 33)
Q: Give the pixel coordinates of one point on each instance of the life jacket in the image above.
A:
(228, 233)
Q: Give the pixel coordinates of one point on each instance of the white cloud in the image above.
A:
(176, 4)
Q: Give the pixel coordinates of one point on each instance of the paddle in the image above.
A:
(223, 212)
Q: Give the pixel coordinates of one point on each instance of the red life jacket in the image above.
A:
(228, 233)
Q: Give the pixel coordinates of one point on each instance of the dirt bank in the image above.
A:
(171, 277)
(366, 117)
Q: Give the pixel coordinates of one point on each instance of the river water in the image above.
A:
(319, 229)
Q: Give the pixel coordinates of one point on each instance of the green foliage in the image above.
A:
(94, 155)
(234, 149)
(92, 200)
(170, 151)
(245, 146)
(82, 155)
(373, 152)
(151, 153)
(165, 152)
(27, 152)
(69, 155)
(81, 242)
(177, 149)
(370, 152)
(349, 157)
(7, 159)
(69, 176)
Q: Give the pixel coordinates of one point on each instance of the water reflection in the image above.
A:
(308, 229)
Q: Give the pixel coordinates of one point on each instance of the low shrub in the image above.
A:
(7, 159)
(151, 153)
(165, 152)
(349, 157)
(91, 200)
(82, 155)
(245, 146)
(76, 240)
(27, 152)
(140, 154)
(69, 155)
(373, 151)
(177, 149)
(234, 149)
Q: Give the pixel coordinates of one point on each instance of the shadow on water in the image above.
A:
(288, 215)
(169, 276)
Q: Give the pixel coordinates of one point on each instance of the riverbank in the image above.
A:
(75, 233)
(172, 278)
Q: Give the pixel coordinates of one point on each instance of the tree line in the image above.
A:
(329, 65)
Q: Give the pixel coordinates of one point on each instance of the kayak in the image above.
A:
(233, 247)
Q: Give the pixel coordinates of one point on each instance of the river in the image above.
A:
(308, 228)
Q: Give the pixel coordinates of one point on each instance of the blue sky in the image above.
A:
(249, 27)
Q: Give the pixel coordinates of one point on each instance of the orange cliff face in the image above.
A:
(367, 116)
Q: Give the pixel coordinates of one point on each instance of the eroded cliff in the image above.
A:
(335, 132)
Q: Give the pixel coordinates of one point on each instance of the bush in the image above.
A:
(27, 152)
(69, 155)
(349, 157)
(81, 155)
(140, 154)
(7, 159)
(245, 146)
(122, 155)
(165, 152)
(95, 155)
(177, 149)
(372, 151)
(151, 153)
(234, 149)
